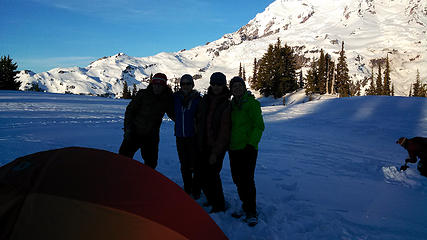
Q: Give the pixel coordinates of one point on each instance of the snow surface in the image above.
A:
(327, 169)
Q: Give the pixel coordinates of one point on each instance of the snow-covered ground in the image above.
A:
(327, 169)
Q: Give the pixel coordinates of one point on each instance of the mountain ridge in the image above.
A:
(371, 29)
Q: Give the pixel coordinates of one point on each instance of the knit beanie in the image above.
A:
(218, 78)
(237, 79)
(159, 78)
(187, 78)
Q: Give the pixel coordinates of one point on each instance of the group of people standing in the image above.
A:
(206, 127)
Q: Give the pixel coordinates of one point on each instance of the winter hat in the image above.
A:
(402, 141)
(218, 78)
(187, 78)
(159, 78)
(237, 79)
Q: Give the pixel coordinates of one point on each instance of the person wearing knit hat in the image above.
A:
(247, 126)
(143, 118)
(416, 147)
(186, 102)
(213, 136)
(217, 78)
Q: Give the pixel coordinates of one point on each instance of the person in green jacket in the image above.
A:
(247, 126)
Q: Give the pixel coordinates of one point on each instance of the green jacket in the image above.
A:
(247, 123)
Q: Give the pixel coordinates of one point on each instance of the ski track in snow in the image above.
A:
(327, 169)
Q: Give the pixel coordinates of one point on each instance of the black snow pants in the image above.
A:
(242, 165)
(190, 168)
(149, 146)
(211, 180)
(422, 167)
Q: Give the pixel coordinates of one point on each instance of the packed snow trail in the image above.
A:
(327, 169)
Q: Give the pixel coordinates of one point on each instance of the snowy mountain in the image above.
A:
(371, 29)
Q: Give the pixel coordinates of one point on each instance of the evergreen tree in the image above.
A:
(342, 79)
(392, 90)
(244, 74)
(379, 88)
(311, 79)
(387, 80)
(8, 74)
(265, 73)
(417, 87)
(321, 71)
(254, 75)
(328, 66)
(301, 80)
(410, 91)
(371, 90)
(331, 77)
(240, 71)
(288, 71)
(276, 71)
(134, 90)
(126, 92)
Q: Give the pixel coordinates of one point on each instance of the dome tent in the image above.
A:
(82, 193)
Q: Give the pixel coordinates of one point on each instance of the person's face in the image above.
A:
(217, 89)
(186, 87)
(158, 88)
(237, 89)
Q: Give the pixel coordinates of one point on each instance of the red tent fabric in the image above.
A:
(82, 193)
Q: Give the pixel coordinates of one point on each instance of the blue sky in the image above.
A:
(43, 34)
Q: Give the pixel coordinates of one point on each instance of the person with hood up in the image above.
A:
(186, 102)
(246, 131)
(416, 147)
(143, 118)
(213, 137)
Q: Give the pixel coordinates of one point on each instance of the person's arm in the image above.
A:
(255, 115)
(223, 139)
(170, 108)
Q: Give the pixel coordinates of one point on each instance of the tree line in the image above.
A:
(275, 74)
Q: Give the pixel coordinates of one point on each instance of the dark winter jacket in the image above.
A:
(145, 112)
(185, 113)
(416, 147)
(247, 124)
(214, 122)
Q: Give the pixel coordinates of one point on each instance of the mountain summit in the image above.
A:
(371, 30)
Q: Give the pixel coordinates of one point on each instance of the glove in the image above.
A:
(404, 167)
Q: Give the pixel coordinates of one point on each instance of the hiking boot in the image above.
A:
(251, 219)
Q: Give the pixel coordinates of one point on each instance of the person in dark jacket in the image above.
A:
(247, 126)
(416, 147)
(143, 118)
(186, 102)
(213, 137)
